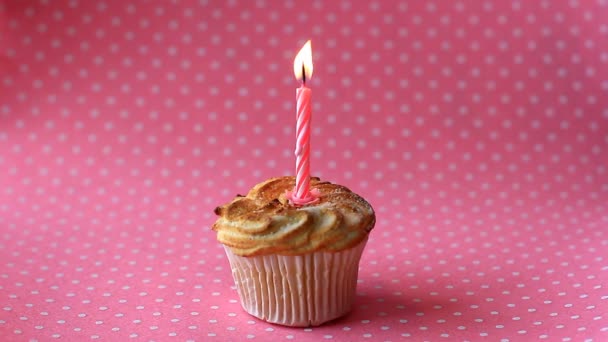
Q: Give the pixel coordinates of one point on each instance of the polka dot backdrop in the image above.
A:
(477, 130)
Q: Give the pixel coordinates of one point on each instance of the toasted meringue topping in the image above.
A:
(264, 222)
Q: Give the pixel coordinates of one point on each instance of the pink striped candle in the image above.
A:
(302, 67)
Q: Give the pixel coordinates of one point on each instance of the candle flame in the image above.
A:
(302, 64)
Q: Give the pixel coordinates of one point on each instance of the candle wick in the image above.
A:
(303, 75)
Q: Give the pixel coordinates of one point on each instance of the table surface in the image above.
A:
(478, 130)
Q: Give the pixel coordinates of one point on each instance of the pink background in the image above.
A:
(477, 129)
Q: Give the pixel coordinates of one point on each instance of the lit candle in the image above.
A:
(302, 68)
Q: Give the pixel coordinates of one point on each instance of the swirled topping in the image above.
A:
(264, 222)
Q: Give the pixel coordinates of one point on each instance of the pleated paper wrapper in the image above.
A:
(302, 290)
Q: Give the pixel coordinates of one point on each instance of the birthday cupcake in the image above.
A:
(295, 265)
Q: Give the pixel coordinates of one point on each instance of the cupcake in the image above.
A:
(295, 265)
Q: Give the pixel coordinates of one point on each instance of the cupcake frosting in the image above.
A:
(264, 222)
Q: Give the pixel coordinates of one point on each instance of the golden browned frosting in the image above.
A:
(264, 222)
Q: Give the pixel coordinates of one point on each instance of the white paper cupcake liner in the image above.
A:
(302, 290)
